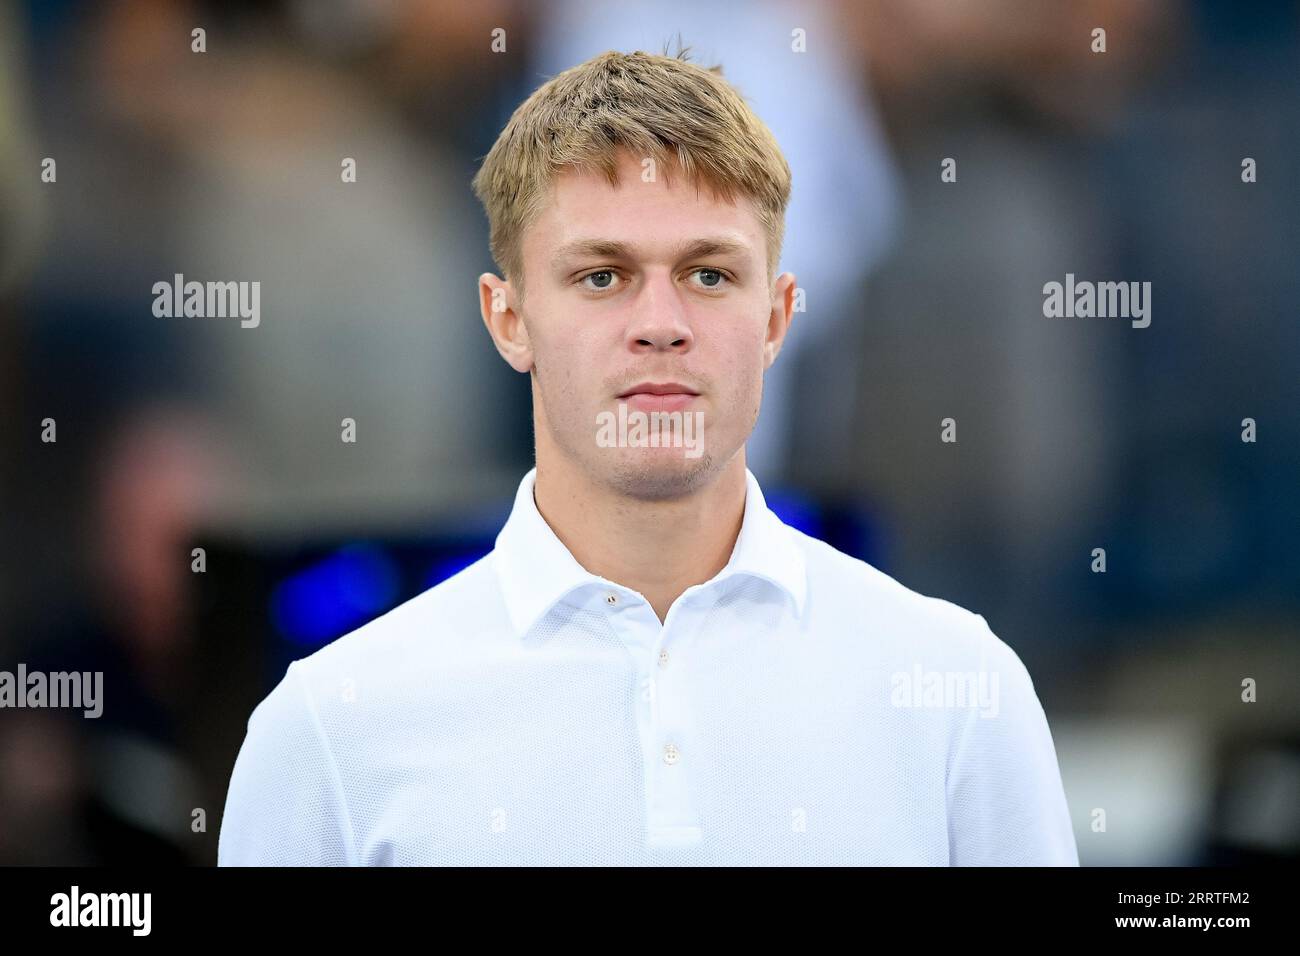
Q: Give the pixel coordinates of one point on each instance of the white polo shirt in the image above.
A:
(801, 707)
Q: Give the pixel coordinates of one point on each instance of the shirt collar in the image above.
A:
(537, 571)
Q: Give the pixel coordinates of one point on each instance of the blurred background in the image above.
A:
(923, 301)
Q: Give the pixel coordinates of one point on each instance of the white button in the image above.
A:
(663, 657)
(611, 599)
(671, 754)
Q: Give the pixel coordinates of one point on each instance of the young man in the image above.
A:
(650, 667)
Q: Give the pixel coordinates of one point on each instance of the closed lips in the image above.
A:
(671, 388)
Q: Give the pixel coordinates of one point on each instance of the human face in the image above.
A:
(637, 288)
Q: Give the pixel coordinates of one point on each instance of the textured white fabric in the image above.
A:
(514, 715)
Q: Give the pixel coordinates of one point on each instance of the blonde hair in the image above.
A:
(651, 105)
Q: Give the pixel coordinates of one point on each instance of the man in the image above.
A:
(650, 667)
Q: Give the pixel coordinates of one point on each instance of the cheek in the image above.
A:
(568, 363)
(740, 359)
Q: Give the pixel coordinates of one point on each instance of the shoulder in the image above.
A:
(435, 625)
(859, 596)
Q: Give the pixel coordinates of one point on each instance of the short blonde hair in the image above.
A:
(651, 105)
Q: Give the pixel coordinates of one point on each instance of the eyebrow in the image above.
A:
(611, 249)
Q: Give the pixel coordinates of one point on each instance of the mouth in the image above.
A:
(659, 397)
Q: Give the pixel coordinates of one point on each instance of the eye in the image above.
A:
(604, 279)
(712, 278)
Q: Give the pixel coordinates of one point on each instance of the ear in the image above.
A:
(778, 321)
(499, 305)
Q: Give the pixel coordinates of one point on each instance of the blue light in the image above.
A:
(795, 509)
(450, 565)
(335, 595)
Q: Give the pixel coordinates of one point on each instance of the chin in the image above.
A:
(660, 474)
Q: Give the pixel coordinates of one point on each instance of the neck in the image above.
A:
(659, 548)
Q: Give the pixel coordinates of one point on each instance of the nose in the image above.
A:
(659, 322)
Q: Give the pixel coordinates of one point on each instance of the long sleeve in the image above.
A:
(1006, 803)
(285, 805)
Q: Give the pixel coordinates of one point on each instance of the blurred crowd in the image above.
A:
(923, 301)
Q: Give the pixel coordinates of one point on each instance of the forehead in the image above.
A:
(653, 217)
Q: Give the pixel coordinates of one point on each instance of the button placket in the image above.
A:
(671, 813)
